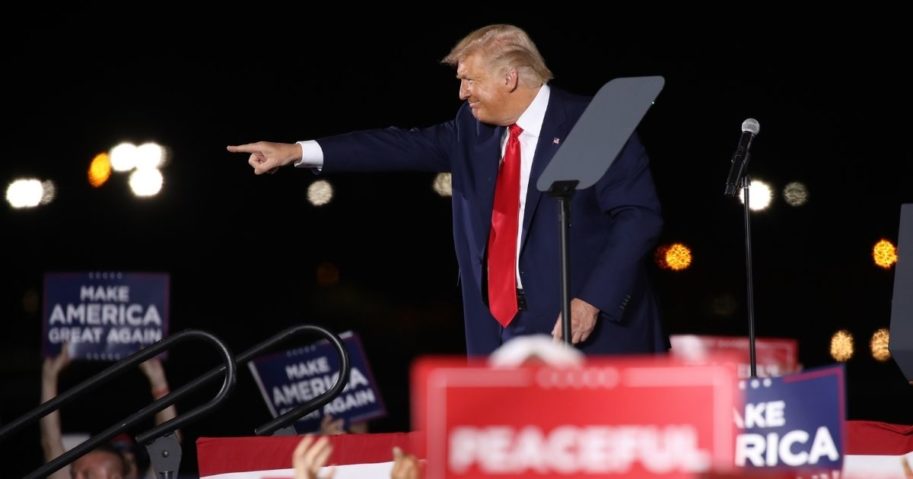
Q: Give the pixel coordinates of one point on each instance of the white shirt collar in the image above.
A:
(531, 119)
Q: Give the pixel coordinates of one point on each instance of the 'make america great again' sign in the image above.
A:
(104, 315)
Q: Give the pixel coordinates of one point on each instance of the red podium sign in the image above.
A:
(618, 418)
(775, 356)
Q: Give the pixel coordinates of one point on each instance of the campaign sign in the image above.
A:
(104, 315)
(631, 417)
(290, 378)
(774, 356)
(794, 421)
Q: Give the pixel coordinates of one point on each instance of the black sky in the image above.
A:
(242, 250)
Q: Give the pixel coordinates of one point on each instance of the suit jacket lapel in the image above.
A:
(550, 136)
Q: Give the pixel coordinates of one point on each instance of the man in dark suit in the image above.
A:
(504, 230)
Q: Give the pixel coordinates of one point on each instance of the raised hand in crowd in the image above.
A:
(329, 426)
(158, 384)
(51, 436)
(310, 456)
(405, 466)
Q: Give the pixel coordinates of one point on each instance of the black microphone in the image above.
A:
(750, 128)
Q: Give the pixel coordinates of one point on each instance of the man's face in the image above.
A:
(485, 90)
(97, 465)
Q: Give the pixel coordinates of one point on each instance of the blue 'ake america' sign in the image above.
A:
(794, 421)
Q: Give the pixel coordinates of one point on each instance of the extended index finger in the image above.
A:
(245, 148)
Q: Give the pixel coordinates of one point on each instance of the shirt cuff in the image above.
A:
(311, 155)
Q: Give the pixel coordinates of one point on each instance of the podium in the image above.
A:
(901, 343)
(589, 150)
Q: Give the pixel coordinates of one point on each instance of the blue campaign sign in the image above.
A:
(290, 378)
(103, 315)
(793, 421)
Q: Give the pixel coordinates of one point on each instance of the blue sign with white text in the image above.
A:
(794, 421)
(104, 315)
(291, 378)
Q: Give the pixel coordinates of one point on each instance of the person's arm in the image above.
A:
(310, 456)
(388, 149)
(158, 383)
(330, 426)
(405, 466)
(51, 435)
(391, 149)
(626, 193)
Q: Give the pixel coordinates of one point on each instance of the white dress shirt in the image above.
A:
(531, 122)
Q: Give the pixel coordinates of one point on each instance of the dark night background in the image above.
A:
(243, 251)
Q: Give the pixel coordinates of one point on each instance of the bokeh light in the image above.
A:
(678, 257)
(842, 346)
(761, 195)
(795, 194)
(320, 192)
(149, 155)
(675, 257)
(123, 157)
(879, 345)
(442, 184)
(99, 170)
(146, 182)
(49, 192)
(25, 193)
(884, 254)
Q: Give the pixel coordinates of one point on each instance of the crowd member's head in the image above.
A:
(135, 455)
(535, 350)
(101, 463)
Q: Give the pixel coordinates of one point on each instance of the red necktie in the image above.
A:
(502, 241)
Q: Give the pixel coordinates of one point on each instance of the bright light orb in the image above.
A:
(842, 346)
(879, 345)
(795, 194)
(761, 195)
(146, 183)
(25, 193)
(884, 254)
(442, 184)
(320, 192)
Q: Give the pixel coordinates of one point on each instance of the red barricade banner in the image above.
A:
(774, 356)
(609, 417)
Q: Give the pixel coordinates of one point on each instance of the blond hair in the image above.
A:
(504, 47)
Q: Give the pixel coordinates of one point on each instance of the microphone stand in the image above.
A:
(746, 186)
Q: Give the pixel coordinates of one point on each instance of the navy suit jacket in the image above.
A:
(614, 225)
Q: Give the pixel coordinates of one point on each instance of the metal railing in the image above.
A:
(229, 368)
(285, 420)
(164, 450)
(282, 423)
